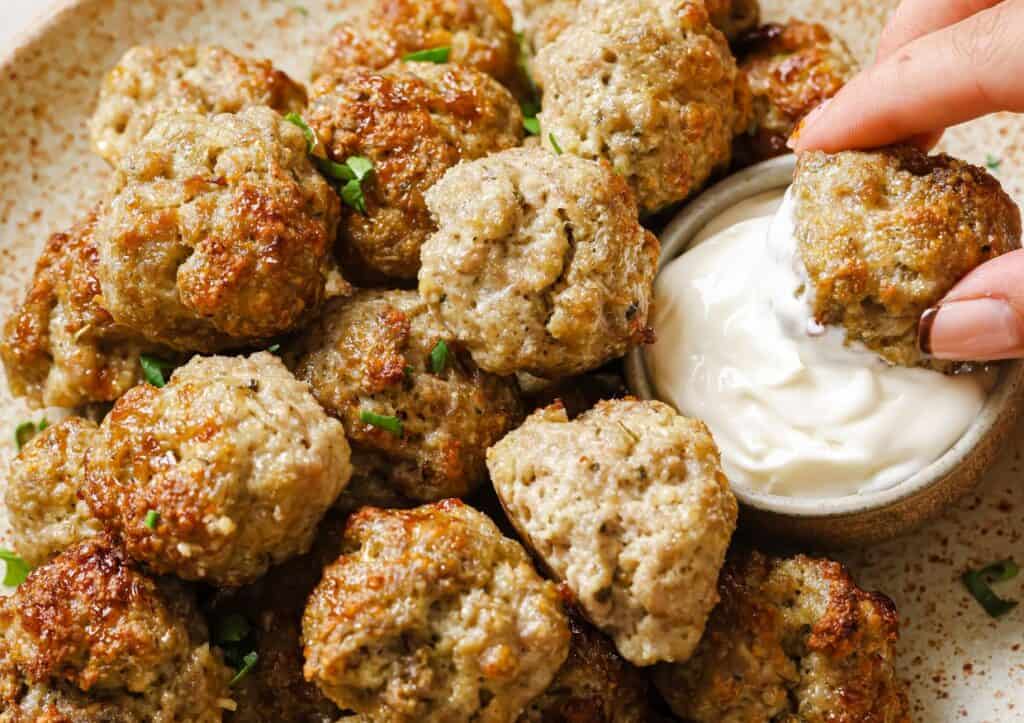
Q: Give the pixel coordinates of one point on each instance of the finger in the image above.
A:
(914, 19)
(968, 70)
(982, 318)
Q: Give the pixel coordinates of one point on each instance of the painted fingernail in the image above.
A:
(806, 122)
(972, 330)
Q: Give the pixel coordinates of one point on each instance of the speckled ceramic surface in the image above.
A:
(961, 664)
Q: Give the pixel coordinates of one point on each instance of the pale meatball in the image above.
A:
(792, 639)
(89, 637)
(649, 86)
(219, 232)
(218, 475)
(413, 121)
(539, 263)
(385, 353)
(884, 235)
(148, 81)
(432, 615)
(41, 495)
(629, 506)
(60, 347)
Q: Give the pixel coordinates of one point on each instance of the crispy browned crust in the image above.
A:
(734, 17)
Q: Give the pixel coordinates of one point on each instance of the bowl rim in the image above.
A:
(776, 174)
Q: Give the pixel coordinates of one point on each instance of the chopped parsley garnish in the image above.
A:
(248, 663)
(233, 628)
(351, 173)
(993, 162)
(25, 431)
(531, 106)
(431, 55)
(381, 421)
(978, 584)
(152, 519)
(154, 369)
(16, 569)
(439, 357)
(554, 144)
(531, 124)
(274, 348)
(311, 140)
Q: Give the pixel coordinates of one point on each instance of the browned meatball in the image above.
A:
(734, 17)
(385, 353)
(89, 637)
(884, 235)
(792, 639)
(414, 121)
(60, 346)
(791, 69)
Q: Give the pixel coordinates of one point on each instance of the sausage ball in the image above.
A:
(414, 121)
(791, 70)
(219, 232)
(41, 495)
(884, 235)
(385, 353)
(148, 81)
(792, 639)
(90, 637)
(629, 506)
(648, 85)
(60, 347)
(432, 615)
(478, 33)
(539, 263)
(221, 473)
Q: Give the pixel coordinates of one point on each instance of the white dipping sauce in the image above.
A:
(795, 410)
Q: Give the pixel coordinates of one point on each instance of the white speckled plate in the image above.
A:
(961, 665)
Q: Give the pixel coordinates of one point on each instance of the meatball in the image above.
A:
(219, 232)
(90, 637)
(884, 235)
(60, 346)
(734, 17)
(41, 495)
(148, 81)
(539, 263)
(432, 615)
(478, 33)
(414, 121)
(648, 85)
(791, 69)
(385, 353)
(629, 506)
(221, 473)
(793, 639)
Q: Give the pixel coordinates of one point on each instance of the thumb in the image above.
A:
(982, 318)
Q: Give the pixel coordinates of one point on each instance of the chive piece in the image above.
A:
(439, 357)
(387, 423)
(43, 424)
(993, 162)
(532, 125)
(153, 369)
(352, 195)
(23, 433)
(977, 583)
(248, 663)
(16, 568)
(274, 348)
(152, 519)
(233, 628)
(335, 171)
(361, 166)
(311, 140)
(431, 55)
(554, 144)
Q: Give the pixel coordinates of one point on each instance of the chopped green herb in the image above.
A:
(43, 424)
(335, 171)
(993, 162)
(554, 144)
(978, 584)
(23, 433)
(360, 165)
(311, 139)
(152, 519)
(532, 125)
(153, 369)
(233, 628)
(16, 569)
(352, 195)
(387, 423)
(431, 55)
(439, 357)
(274, 348)
(248, 663)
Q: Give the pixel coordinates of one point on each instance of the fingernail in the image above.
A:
(972, 330)
(806, 122)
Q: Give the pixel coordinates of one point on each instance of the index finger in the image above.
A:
(914, 19)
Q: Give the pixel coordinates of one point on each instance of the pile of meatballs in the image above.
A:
(393, 475)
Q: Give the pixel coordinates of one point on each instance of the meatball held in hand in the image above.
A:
(884, 235)
(629, 506)
(431, 615)
(219, 232)
(222, 473)
(539, 263)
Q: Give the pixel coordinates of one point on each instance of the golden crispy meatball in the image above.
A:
(478, 32)
(148, 81)
(629, 506)
(219, 232)
(648, 85)
(89, 637)
(372, 353)
(235, 457)
(539, 263)
(884, 235)
(791, 69)
(792, 639)
(60, 346)
(414, 121)
(432, 615)
(41, 495)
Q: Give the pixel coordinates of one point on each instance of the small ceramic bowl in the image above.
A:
(854, 519)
